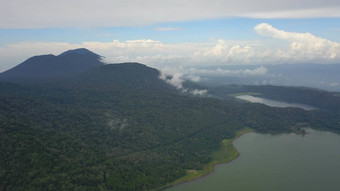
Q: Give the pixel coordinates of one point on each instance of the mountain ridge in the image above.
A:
(42, 67)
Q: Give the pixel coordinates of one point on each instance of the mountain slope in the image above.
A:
(49, 66)
(127, 78)
(119, 127)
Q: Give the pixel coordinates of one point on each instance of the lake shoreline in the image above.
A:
(281, 162)
(219, 157)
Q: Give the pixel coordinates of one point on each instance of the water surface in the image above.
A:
(274, 103)
(277, 162)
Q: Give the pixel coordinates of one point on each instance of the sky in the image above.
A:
(173, 33)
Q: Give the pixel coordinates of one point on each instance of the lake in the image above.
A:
(277, 162)
(274, 103)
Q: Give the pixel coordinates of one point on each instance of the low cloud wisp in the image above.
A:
(177, 79)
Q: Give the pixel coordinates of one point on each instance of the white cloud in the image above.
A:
(104, 13)
(259, 71)
(303, 47)
(148, 44)
(176, 79)
(220, 49)
(199, 92)
(222, 53)
(147, 51)
(293, 48)
(175, 76)
(333, 84)
(256, 72)
(194, 78)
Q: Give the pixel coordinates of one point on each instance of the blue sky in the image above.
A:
(173, 33)
(191, 31)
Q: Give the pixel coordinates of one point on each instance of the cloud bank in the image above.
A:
(104, 13)
(303, 46)
(259, 71)
(293, 48)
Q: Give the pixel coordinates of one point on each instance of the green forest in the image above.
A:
(119, 127)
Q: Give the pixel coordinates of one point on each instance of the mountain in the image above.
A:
(133, 75)
(39, 68)
(120, 127)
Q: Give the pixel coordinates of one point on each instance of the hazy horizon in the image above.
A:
(175, 33)
(179, 38)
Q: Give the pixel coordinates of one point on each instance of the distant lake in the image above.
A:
(277, 162)
(274, 103)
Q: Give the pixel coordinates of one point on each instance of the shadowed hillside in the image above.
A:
(39, 68)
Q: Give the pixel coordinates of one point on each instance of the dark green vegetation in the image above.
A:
(119, 127)
(321, 99)
(281, 163)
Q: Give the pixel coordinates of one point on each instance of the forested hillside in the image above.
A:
(119, 127)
